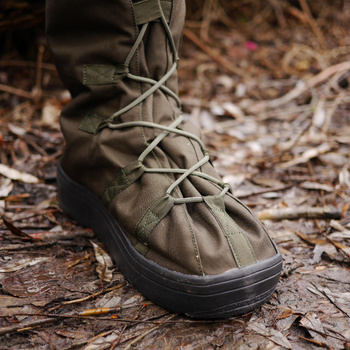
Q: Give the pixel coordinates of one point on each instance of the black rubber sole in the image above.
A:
(234, 292)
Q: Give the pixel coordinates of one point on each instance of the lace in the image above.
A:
(172, 128)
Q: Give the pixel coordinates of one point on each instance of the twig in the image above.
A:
(313, 24)
(307, 155)
(206, 21)
(279, 13)
(221, 60)
(117, 341)
(107, 310)
(288, 270)
(58, 235)
(300, 212)
(265, 190)
(143, 335)
(26, 326)
(331, 110)
(338, 246)
(323, 344)
(331, 300)
(74, 345)
(15, 91)
(17, 232)
(297, 91)
(19, 63)
(261, 16)
(76, 301)
(12, 247)
(39, 71)
(115, 319)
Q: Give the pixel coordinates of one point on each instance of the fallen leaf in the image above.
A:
(104, 262)
(50, 113)
(344, 177)
(14, 174)
(5, 187)
(102, 342)
(16, 231)
(307, 155)
(271, 333)
(22, 263)
(309, 185)
(233, 110)
(311, 321)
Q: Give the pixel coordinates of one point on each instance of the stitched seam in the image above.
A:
(147, 210)
(147, 238)
(126, 177)
(244, 236)
(253, 216)
(84, 74)
(226, 233)
(144, 226)
(140, 2)
(193, 241)
(101, 74)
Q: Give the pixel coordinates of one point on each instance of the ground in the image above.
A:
(268, 83)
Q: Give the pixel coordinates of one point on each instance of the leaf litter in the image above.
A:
(269, 86)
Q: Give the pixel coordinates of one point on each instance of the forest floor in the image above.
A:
(271, 95)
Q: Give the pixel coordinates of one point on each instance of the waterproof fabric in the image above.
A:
(90, 38)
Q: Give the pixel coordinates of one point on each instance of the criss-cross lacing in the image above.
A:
(172, 128)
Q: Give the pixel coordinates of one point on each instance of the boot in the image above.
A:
(139, 175)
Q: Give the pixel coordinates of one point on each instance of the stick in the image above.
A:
(223, 61)
(265, 190)
(291, 95)
(14, 91)
(141, 336)
(313, 24)
(25, 326)
(301, 212)
(20, 63)
(307, 155)
(75, 301)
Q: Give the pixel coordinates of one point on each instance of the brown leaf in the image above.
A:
(6, 186)
(14, 174)
(16, 231)
(104, 262)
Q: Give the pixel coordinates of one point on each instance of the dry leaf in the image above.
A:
(22, 263)
(307, 155)
(104, 262)
(99, 343)
(272, 334)
(233, 110)
(50, 113)
(6, 186)
(309, 185)
(16, 231)
(17, 175)
(344, 177)
(311, 321)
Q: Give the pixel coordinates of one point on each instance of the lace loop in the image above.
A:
(172, 128)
